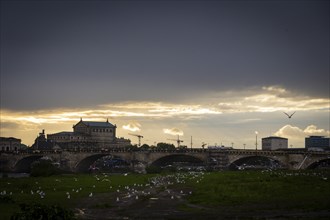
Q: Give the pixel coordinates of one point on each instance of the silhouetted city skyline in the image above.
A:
(214, 70)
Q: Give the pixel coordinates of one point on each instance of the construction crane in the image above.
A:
(139, 136)
(178, 141)
(203, 145)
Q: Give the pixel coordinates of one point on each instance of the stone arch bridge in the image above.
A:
(222, 159)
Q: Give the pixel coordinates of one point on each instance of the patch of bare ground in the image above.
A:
(146, 204)
(171, 204)
(152, 202)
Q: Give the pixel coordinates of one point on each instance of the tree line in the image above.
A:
(159, 146)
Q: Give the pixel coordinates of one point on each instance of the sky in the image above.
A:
(216, 71)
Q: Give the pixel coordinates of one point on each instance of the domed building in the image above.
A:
(89, 134)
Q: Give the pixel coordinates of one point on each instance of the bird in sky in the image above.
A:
(289, 116)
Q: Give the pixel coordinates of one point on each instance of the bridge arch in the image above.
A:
(84, 164)
(177, 158)
(323, 163)
(24, 165)
(255, 162)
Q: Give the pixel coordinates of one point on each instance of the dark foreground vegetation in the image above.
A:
(195, 195)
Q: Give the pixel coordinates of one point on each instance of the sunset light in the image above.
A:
(164, 109)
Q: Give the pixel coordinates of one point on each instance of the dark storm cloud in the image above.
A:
(84, 53)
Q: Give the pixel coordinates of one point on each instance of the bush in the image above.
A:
(39, 211)
(6, 200)
(153, 169)
(170, 169)
(44, 168)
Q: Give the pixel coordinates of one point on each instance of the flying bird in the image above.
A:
(289, 116)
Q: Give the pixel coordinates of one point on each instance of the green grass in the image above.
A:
(237, 191)
(56, 188)
(298, 190)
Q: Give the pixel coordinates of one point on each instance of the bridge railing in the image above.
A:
(194, 150)
(110, 150)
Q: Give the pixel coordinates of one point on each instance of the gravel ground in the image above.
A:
(167, 204)
(166, 198)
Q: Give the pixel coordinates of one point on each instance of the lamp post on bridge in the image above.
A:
(256, 140)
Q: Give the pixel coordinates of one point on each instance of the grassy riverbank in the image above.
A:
(64, 190)
(242, 193)
(228, 194)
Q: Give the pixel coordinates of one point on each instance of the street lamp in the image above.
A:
(256, 140)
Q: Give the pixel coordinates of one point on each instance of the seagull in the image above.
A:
(289, 116)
